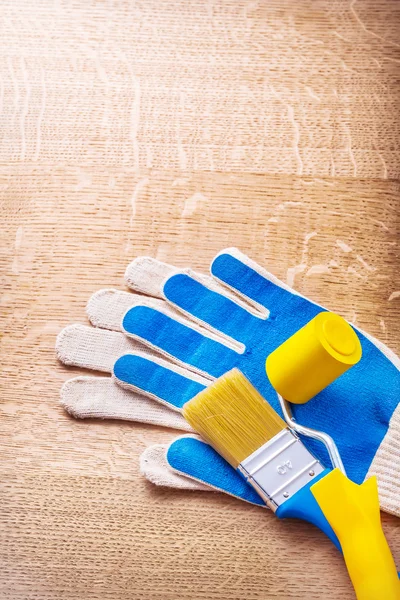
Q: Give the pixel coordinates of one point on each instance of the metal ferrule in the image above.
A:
(321, 436)
(280, 468)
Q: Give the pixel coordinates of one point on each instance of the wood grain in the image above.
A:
(175, 129)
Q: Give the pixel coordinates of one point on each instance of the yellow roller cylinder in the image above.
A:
(313, 357)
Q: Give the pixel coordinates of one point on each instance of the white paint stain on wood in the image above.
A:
(141, 184)
(309, 236)
(191, 204)
(296, 129)
(369, 31)
(384, 165)
(317, 270)
(394, 295)
(180, 181)
(380, 223)
(300, 268)
(312, 94)
(283, 205)
(84, 181)
(343, 246)
(365, 264)
(293, 271)
(354, 272)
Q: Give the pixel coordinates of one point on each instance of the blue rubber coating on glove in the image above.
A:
(210, 307)
(197, 459)
(147, 375)
(250, 283)
(355, 410)
(179, 341)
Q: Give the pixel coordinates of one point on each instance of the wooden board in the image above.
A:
(175, 129)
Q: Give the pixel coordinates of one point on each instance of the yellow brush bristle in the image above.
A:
(233, 417)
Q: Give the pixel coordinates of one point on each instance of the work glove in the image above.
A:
(198, 328)
(187, 463)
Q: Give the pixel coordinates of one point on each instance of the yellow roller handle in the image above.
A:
(353, 512)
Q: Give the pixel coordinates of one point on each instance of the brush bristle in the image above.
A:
(233, 417)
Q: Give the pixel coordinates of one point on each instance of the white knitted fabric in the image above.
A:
(146, 275)
(386, 467)
(106, 308)
(98, 348)
(154, 466)
(101, 397)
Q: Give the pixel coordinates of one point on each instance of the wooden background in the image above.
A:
(175, 128)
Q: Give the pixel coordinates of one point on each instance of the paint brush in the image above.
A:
(243, 427)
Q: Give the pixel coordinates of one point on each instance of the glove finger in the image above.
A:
(102, 398)
(158, 379)
(106, 308)
(192, 457)
(203, 353)
(99, 350)
(154, 466)
(386, 467)
(253, 283)
(146, 275)
(90, 348)
(210, 307)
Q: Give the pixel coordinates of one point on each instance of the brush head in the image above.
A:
(233, 417)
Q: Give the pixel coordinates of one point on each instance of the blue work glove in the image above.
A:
(240, 331)
(187, 463)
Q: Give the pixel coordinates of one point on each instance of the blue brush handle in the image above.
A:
(304, 506)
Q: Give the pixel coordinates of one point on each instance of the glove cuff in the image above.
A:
(386, 467)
